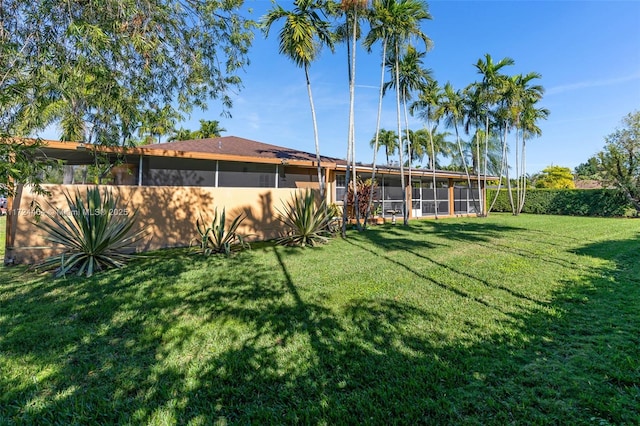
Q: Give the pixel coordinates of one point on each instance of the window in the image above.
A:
(340, 187)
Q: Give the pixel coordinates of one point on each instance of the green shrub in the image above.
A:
(570, 202)
(308, 221)
(216, 238)
(96, 234)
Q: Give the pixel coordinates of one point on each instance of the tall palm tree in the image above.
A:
(475, 111)
(529, 117)
(351, 10)
(452, 108)
(413, 77)
(515, 93)
(379, 31)
(490, 91)
(427, 107)
(402, 23)
(387, 139)
(301, 38)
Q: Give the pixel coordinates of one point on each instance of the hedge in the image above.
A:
(570, 202)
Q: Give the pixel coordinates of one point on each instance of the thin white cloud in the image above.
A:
(592, 83)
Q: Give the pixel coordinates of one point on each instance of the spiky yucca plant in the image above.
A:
(218, 239)
(96, 234)
(307, 220)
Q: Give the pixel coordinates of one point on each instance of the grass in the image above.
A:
(504, 320)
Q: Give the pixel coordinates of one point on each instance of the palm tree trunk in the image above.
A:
(479, 172)
(503, 163)
(406, 124)
(375, 149)
(347, 180)
(506, 167)
(315, 133)
(345, 197)
(399, 117)
(518, 182)
(524, 176)
(433, 166)
(352, 131)
(486, 166)
(464, 161)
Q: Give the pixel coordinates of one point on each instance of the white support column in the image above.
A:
(277, 176)
(140, 171)
(216, 179)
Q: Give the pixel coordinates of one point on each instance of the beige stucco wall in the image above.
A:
(168, 213)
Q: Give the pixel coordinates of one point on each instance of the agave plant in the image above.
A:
(218, 239)
(96, 234)
(307, 220)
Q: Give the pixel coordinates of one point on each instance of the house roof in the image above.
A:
(235, 146)
(225, 148)
(241, 147)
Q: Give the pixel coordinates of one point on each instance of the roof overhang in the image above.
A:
(79, 153)
(76, 153)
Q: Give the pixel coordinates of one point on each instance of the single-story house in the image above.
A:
(172, 184)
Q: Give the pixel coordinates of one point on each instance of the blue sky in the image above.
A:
(588, 53)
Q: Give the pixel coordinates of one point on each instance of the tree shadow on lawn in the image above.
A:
(487, 235)
(472, 233)
(463, 231)
(215, 342)
(399, 237)
(590, 355)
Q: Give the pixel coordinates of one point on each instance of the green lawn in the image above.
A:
(505, 320)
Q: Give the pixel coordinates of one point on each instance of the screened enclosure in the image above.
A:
(448, 192)
(466, 200)
(162, 171)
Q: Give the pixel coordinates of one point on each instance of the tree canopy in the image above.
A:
(104, 70)
(620, 159)
(555, 177)
(588, 170)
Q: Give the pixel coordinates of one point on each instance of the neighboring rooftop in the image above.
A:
(588, 184)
